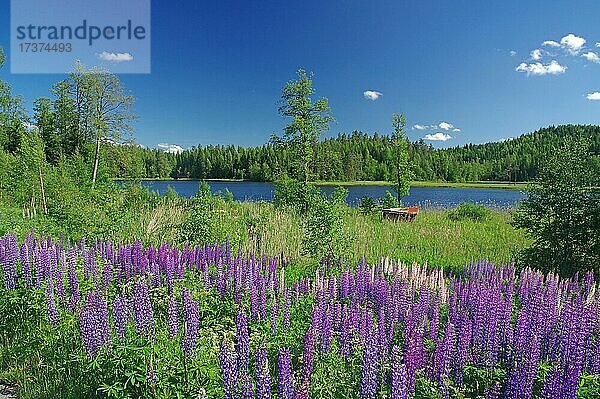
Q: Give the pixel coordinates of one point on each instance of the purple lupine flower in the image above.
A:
(192, 324)
(286, 375)
(143, 314)
(368, 382)
(414, 357)
(254, 298)
(345, 335)
(492, 392)
(93, 324)
(398, 388)
(90, 266)
(287, 305)
(173, 317)
(103, 326)
(337, 316)
(228, 366)
(382, 339)
(525, 358)
(262, 299)
(552, 385)
(74, 293)
(263, 378)
(60, 283)
(274, 317)
(327, 331)
(25, 262)
(434, 323)
(243, 341)
(247, 387)
(120, 316)
(170, 274)
(106, 275)
(87, 327)
(51, 304)
(443, 355)
(464, 340)
(308, 358)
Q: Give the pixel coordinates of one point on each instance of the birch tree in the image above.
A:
(104, 108)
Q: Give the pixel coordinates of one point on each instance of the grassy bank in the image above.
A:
(259, 227)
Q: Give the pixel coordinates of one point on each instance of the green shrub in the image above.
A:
(324, 225)
(171, 193)
(198, 226)
(469, 211)
(562, 212)
(388, 200)
(367, 205)
(227, 195)
(293, 194)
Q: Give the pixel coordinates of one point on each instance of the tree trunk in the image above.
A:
(96, 159)
(43, 192)
(399, 183)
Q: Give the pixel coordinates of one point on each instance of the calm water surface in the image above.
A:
(427, 197)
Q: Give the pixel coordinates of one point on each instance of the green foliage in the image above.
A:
(470, 211)
(292, 194)
(227, 195)
(426, 389)
(44, 121)
(388, 200)
(325, 235)
(202, 220)
(367, 205)
(198, 227)
(309, 120)
(562, 212)
(352, 157)
(589, 387)
(204, 190)
(171, 194)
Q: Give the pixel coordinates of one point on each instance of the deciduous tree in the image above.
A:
(562, 211)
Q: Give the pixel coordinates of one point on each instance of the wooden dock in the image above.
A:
(407, 214)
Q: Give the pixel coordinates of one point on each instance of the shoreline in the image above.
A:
(480, 184)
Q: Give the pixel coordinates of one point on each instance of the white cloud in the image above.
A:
(591, 56)
(445, 125)
(551, 43)
(536, 54)
(372, 95)
(595, 96)
(572, 43)
(172, 148)
(597, 44)
(114, 57)
(420, 127)
(553, 68)
(439, 136)
(513, 53)
(456, 130)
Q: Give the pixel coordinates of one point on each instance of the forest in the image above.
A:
(354, 157)
(69, 130)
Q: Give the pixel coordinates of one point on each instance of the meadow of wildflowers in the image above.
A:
(99, 319)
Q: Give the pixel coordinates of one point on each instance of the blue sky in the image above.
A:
(218, 67)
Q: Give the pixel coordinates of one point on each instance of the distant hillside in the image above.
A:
(357, 156)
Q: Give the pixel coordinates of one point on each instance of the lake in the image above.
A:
(426, 197)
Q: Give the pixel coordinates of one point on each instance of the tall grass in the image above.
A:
(259, 227)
